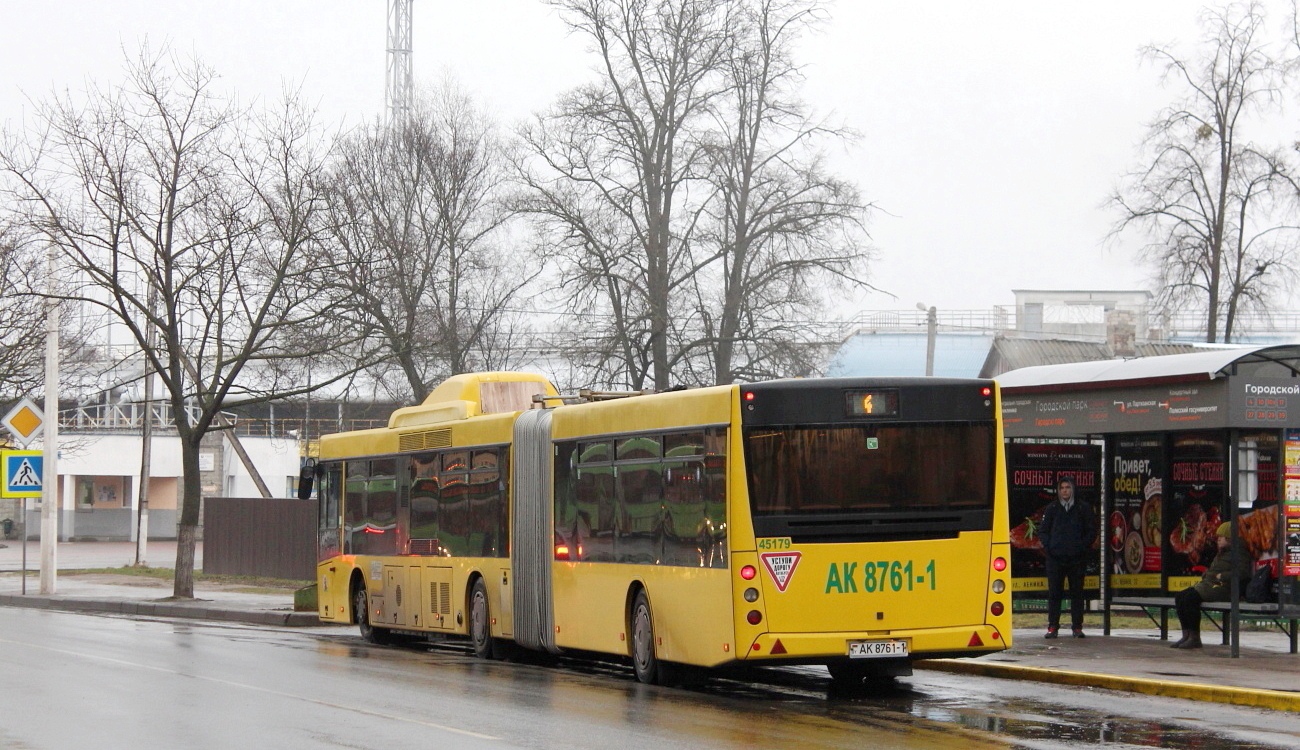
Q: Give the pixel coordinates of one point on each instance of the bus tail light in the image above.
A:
(999, 564)
(751, 595)
(754, 617)
(999, 586)
(748, 572)
(986, 392)
(561, 552)
(996, 608)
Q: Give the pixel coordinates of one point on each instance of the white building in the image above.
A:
(99, 473)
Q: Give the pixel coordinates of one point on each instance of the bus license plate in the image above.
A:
(876, 649)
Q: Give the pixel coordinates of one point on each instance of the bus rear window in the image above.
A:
(886, 468)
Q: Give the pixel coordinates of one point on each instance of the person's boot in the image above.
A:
(1179, 643)
(1193, 640)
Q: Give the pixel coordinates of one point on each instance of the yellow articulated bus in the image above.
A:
(855, 523)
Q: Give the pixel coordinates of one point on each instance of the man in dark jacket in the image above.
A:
(1215, 584)
(1067, 532)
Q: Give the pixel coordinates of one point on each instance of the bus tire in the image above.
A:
(369, 633)
(480, 621)
(645, 663)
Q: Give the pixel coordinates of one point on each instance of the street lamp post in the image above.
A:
(931, 330)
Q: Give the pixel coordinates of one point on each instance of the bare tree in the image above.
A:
(421, 233)
(22, 315)
(195, 223)
(1214, 204)
(23, 294)
(610, 173)
(786, 230)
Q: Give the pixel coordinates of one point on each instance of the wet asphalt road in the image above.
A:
(77, 681)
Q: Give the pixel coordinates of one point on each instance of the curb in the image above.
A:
(1276, 700)
(196, 610)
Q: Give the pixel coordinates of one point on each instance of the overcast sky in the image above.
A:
(992, 132)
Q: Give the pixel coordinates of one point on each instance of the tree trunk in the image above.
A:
(187, 532)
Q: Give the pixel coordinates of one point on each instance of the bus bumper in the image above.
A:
(956, 641)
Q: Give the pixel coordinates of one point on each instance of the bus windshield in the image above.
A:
(875, 468)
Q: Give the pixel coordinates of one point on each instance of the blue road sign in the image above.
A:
(23, 473)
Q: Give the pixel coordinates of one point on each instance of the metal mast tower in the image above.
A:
(398, 85)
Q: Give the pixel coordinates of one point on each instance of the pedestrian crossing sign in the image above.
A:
(23, 473)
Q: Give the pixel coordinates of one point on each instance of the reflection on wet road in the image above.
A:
(142, 683)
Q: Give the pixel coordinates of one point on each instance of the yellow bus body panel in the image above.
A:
(691, 610)
(827, 604)
(416, 593)
(691, 607)
(700, 406)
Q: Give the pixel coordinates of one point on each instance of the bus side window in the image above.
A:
(594, 503)
(424, 504)
(487, 504)
(454, 517)
(354, 507)
(566, 507)
(381, 507)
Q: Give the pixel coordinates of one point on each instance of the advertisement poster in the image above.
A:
(1034, 469)
(1291, 519)
(1134, 527)
(1194, 506)
(1264, 485)
(1291, 549)
(1292, 467)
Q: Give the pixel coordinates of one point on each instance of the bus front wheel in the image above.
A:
(361, 605)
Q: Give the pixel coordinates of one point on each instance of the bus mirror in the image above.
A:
(306, 478)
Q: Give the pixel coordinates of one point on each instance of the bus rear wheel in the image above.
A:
(480, 621)
(370, 633)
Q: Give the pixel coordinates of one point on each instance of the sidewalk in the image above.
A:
(132, 595)
(1265, 675)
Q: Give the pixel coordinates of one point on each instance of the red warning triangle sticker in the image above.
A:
(781, 565)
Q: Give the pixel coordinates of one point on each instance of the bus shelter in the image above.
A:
(1166, 448)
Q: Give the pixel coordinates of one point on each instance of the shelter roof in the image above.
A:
(1206, 364)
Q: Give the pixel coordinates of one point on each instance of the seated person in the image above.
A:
(1215, 585)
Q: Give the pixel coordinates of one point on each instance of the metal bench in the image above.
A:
(1268, 611)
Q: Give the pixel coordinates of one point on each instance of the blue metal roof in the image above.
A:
(956, 355)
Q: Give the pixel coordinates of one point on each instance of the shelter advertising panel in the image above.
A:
(1035, 469)
(1195, 506)
(1291, 518)
(1117, 410)
(1264, 402)
(1134, 525)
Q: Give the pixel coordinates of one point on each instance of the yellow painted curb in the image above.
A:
(1276, 700)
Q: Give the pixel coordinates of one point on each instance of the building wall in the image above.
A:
(99, 475)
